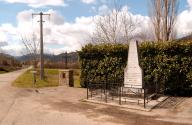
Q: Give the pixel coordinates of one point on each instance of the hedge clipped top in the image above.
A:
(168, 48)
(168, 64)
(91, 51)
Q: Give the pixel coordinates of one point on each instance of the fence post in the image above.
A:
(120, 95)
(87, 90)
(106, 88)
(106, 92)
(144, 97)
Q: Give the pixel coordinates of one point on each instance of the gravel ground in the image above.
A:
(61, 106)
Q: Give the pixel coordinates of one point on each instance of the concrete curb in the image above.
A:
(128, 106)
(116, 105)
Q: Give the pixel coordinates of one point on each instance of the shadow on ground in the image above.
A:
(106, 113)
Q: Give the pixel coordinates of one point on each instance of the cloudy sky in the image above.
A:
(71, 21)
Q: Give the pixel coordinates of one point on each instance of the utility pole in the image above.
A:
(41, 14)
(66, 60)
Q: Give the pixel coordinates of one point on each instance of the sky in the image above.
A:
(71, 22)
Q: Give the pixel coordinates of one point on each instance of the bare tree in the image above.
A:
(128, 26)
(115, 25)
(163, 16)
(32, 48)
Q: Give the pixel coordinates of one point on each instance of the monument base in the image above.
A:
(132, 92)
(129, 103)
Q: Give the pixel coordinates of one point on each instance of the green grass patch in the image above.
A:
(6, 69)
(26, 79)
(51, 79)
(1, 72)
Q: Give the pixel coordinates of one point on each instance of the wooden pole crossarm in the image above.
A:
(41, 14)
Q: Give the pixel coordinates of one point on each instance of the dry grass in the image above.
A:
(51, 79)
(26, 79)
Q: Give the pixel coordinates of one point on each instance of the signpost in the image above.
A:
(34, 77)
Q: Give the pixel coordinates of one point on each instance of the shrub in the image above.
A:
(167, 63)
(102, 62)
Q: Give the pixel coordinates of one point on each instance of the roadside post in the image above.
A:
(34, 78)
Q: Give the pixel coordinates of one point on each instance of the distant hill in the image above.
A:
(3, 55)
(7, 57)
(71, 57)
(8, 61)
(188, 37)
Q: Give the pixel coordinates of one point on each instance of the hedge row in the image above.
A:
(168, 64)
(102, 62)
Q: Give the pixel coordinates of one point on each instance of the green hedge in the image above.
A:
(102, 62)
(168, 64)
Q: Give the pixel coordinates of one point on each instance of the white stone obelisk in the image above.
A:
(133, 72)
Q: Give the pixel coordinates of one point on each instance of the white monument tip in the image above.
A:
(133, 72)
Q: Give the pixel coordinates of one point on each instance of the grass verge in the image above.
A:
(6, 69)
(51, 79)
(1, 72)
(26, 79)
